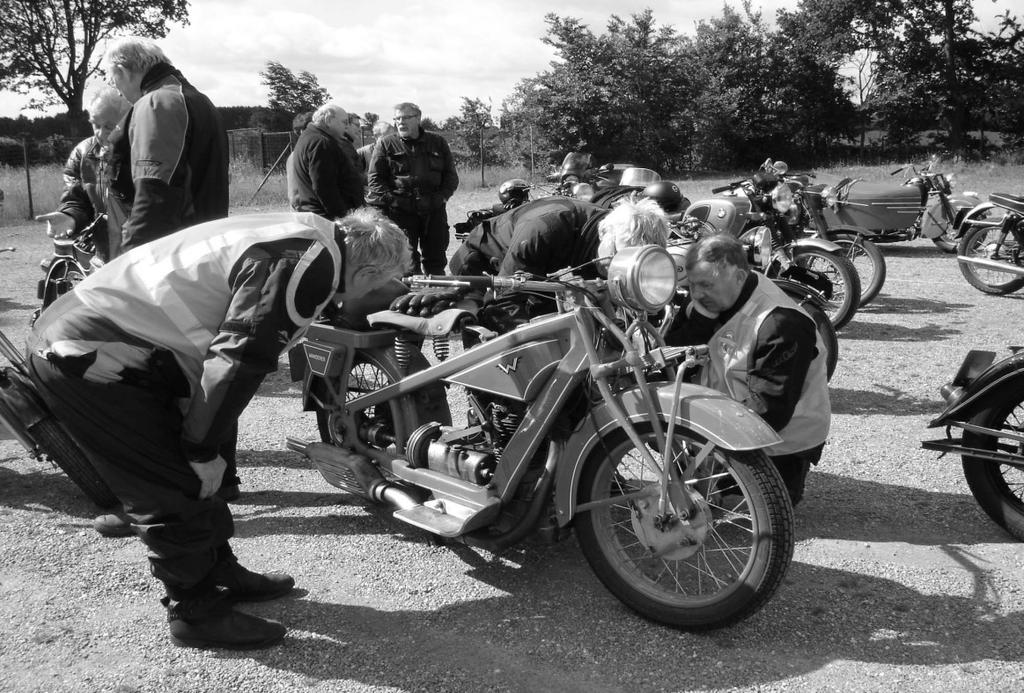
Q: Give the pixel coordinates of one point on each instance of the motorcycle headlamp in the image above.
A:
(761, 245)
(782, 198)
(583, 191)
(642, 278)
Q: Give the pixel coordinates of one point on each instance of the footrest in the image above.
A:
(447, 518)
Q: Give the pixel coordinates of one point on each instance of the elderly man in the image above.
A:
(765, 352)
(149, 363)
(323, 175)
(412, 174)
(85, 178)
(170, 158)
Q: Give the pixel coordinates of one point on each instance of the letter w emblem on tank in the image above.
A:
(507, 368)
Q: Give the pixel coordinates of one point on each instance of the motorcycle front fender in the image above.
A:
(702, 411)
(966, 400)
(818, 243)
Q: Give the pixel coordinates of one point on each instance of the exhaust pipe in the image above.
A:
(354, 473)
(991, 264)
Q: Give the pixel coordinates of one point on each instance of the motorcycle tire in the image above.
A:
(998, 488)
(712, 582)
(867, 260)
(947, 242)
(373, 369)
(845, 282)
(976, 242)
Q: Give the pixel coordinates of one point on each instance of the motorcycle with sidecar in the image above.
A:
(580, 419)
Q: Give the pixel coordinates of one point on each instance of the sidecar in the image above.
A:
(878, 207)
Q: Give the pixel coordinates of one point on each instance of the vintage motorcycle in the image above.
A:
(580, 419)
(924, 205)
(985, 402)
(760, 212)
(990, 245)
(26, 418)
(73, 260)
(855, 241)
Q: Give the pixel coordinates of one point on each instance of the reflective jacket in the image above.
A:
(204, 313)
(733, 347)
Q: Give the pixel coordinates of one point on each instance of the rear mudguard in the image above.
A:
(817, 243)
(979, 209)
(703, 411)
(801, 292)
(965, 403)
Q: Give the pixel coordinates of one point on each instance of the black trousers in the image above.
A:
(133, 438)
(428, 238)
(794, 467)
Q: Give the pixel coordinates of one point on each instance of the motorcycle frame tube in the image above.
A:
(706, 412)
(1008, 369)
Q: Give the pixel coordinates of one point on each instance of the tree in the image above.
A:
(290, 92)
(50, 45)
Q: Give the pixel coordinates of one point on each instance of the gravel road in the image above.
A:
(899, 582)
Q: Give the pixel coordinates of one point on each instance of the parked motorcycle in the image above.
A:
(924, 205)
(760, 212)
(990, 247)
(985, 403)
(26, 418)
(73, 260)
(578, 419)
(578, 177)
(855, 241)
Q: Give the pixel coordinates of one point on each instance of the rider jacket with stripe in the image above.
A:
(203, 314)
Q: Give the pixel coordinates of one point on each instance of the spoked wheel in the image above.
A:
(845, 283)
(999, 488)
(982, 241)
(715, 567)
(867, 261)
(373, 369)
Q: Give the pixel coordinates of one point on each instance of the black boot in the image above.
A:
(207, 620)
(242, 584)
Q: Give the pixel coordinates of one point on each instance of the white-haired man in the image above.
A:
(171, 156)
(150, 362)
(324, 178)
(85, 177)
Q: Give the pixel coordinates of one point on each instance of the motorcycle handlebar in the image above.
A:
(498, 283)
(730, 186)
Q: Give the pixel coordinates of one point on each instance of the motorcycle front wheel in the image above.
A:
(999, 488)
(982, 241)
(714, 568)
(867, 261)
(845, 282)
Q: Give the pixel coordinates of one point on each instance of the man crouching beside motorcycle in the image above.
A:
(542, 237)
(764, 351)
(149, 362)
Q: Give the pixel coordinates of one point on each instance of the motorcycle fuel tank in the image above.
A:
(877, 207)
(517, 373)
(724, 214)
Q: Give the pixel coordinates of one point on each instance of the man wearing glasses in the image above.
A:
(411, 176)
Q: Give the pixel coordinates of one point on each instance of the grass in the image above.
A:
(252, 188)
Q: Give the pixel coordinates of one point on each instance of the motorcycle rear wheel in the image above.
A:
(373, 369)
(845, 282)
(867, 260)
(999, 488)
(978, 242)
(729, 576)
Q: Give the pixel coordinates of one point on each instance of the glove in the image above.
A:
(426, 302)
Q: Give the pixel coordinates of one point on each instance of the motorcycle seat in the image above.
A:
(1014, 203)
(434, 326)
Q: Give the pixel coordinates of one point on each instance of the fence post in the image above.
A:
(28, 177)
(481, 157)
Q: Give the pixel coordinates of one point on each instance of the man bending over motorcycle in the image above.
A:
(150, 362)
(545, 236)
(765, 352)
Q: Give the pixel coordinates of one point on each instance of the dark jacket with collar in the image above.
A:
(412, 175)
(169, 166)
(327, 181)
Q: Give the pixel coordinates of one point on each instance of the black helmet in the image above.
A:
(514, 190)
(666, 194)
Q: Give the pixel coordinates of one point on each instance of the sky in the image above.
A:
(431, 53)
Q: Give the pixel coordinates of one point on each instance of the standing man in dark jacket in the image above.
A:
(169, 165)
(412, 175)
(325, 179)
